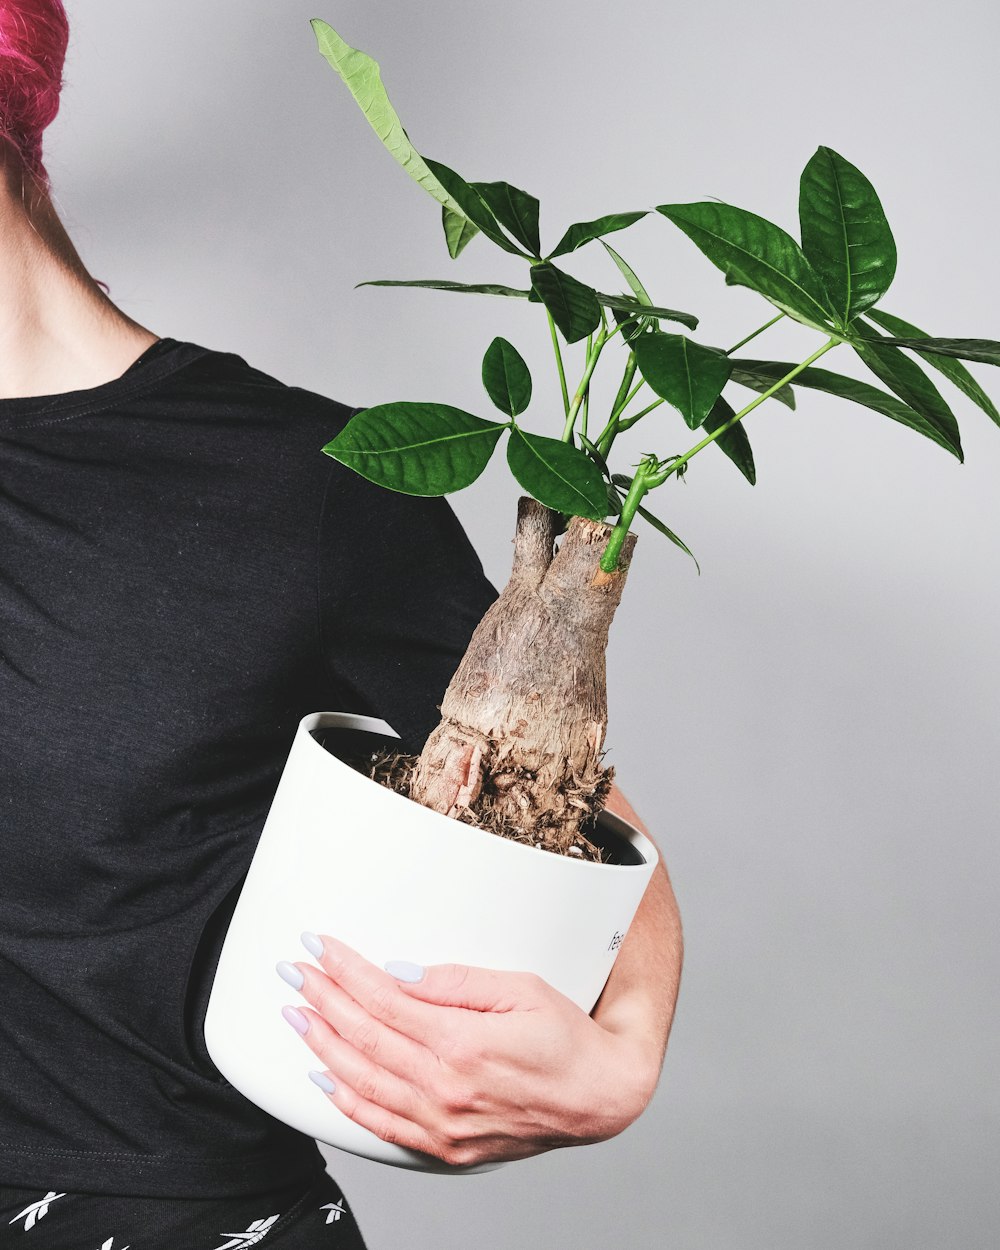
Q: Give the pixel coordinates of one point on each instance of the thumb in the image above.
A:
(462, 985)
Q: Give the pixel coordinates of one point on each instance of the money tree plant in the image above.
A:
(520, 743)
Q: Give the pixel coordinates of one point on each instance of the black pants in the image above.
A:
(310, 1215)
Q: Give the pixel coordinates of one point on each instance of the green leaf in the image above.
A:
(745, 374)
(657, 524)
(416, 448)
(905, 378)
(754, 252)
(506, 377)
(472, 204)
(573, 306)
(594, 453)
(952, 369)
(583, 231)
(622, 303)
(631, 326)
(980, 351)
(629, 274)
(638, 290)
(558, 475)
(686, 374)
(442, 284)
(735, 442)
(364, 80)
(845, 234)
(515, 209)
(858, 393)
(458, 230)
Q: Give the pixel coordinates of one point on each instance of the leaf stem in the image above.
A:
(630, 506)
(626, 423)
(622, 398)
(766, 326)
(728, 425)
(581, 390)
(607, 435)
(559, 363)
(631, 395)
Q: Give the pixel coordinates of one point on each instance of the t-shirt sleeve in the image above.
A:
(400, 591)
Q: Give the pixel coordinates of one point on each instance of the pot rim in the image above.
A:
(643, 845)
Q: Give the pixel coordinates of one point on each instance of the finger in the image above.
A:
(395, 1129)
(463, 985)
(369, 1036)
(378, 992)
(371, 1081)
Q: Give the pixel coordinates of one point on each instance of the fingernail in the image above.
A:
(404, 971)
(323, 1081)
(296, 1019)
(288, 972)
(312, 944)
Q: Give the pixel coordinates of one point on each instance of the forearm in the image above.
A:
(641, 993)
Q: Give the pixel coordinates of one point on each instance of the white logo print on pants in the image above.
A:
(256, 1231)
(35, 1210)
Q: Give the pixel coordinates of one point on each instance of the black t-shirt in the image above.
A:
(183, 576)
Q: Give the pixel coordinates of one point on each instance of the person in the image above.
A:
(183, 575)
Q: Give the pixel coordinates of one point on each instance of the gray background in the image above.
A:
(809, 728)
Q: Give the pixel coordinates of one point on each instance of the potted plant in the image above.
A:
(491, 847)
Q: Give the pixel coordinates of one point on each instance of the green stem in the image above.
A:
(630, 396)
(766, 326)
(657, 479)
(639, 487)
(581, 390)
(559, 362)
(626, 423)
(623, 396)
(607, 435)
(585, 413)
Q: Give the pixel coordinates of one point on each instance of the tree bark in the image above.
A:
(521, 737)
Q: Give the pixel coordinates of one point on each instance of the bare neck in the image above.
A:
(58, 330)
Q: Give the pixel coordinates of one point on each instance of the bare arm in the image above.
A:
(641, 993)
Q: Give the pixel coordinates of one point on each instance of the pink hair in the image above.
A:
(34, 35)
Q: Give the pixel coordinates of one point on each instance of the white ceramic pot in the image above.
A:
(342, 854)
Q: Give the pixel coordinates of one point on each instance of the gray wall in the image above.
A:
(810, 727)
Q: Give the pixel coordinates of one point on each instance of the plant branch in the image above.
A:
(630, 505)
(607, 435)
(728, 425)
(585, 414)
(622, 398)
(626, 423)
(766, 326)
(559, 363)
(581, 390)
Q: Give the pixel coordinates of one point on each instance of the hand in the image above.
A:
(468, 1064)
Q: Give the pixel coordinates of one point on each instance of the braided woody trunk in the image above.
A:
(522, 731)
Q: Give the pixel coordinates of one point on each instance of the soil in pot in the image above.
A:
(375, 756)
